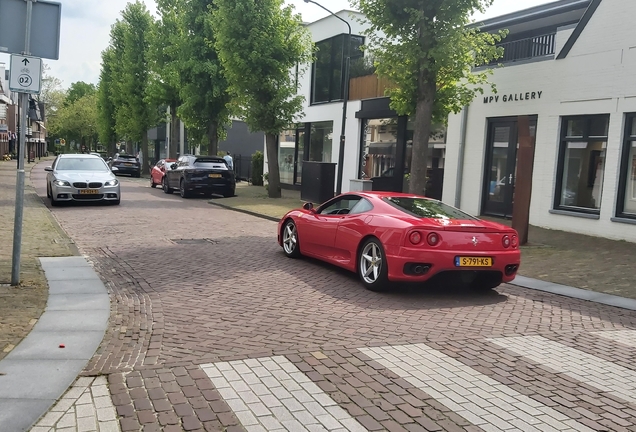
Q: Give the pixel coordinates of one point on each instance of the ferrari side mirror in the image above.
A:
(308, 206)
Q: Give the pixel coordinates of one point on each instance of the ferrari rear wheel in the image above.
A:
(152, 182)
(290, 240)
(372, 266)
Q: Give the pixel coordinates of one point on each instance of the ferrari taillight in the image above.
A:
(505, 241)
(415, 237)
(433, 239)
(514, 242)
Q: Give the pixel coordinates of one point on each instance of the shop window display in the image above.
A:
(582, 163)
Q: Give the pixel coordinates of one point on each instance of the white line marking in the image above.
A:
(626, 337)
(271, 394)
(476, 397)
(589, 369)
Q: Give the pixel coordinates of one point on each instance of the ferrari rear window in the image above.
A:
(427, 208)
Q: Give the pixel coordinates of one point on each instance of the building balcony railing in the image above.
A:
(528, 48)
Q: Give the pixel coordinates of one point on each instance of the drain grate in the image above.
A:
(193, 241)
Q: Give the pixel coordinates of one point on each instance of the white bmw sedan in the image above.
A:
(81, 177)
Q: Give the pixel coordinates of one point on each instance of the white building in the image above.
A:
(377, 143)
(565, 74)
(569, 70)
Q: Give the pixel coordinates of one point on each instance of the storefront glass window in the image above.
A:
(327, 85)
(286, 150)
(321, 137)
(582, 164)
(379, 148)
(627, 205)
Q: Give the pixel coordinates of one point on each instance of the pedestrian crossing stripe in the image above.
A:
(474, 396)
(268, 394)
(626, 337)
(272, 394)
(585, 368)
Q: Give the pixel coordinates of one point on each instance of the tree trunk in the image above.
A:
(174, 133)
(144, 155)
(423, 114)
(273, 176)
(213, 138)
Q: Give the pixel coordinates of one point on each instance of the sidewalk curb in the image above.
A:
(37, 371)
(577, 293)
(520, 281)
(251, 213)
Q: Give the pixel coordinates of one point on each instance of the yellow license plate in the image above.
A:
(88, 191)
(128, 164)
(473, 261)
(215, 175)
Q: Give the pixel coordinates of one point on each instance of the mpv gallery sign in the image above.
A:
(513, 97)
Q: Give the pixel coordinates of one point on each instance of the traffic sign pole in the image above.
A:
(19, 188)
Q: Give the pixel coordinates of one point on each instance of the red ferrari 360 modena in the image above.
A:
(393, 237)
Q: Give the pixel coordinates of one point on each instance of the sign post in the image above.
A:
(19, 187)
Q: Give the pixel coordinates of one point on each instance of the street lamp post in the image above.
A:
(341, 152)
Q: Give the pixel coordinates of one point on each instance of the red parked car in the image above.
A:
(394, 237)
(159, 171)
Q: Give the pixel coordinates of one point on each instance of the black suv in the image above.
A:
(125, 164)
(200, 175)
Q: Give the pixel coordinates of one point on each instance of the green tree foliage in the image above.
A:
(77, 90)
(203, 85)
(165, 64)
(260, 42)
(427, 50)
(134, 114)
(52, 95)
(78, 121)
(105, 104)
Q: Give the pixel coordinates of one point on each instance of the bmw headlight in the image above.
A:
(61, 183)
(111, 183)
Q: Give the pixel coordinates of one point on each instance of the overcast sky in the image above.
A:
(86, 25)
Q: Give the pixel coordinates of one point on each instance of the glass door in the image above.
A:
(300, 154)
(501, 163)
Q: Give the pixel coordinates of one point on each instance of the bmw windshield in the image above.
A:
(80, 164)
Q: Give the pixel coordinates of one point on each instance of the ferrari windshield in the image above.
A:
(81, 164)
(427, 208)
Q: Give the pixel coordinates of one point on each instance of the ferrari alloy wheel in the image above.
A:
(164, 185)
(290, 240)
(372, 267)
(152, 182)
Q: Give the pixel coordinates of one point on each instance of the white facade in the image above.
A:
(332, 111)
(596, 77)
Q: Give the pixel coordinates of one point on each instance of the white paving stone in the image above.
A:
(436, 367)
(626, 337)
(78, 411)
(586, 368)
(287, 399)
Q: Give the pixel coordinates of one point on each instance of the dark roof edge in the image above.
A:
(530, 14)
(579, 29)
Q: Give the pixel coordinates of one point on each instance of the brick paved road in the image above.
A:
(225, 333)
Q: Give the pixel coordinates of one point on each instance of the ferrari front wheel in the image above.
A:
(372, 266)
(290, 240)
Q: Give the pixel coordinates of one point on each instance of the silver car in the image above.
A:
(81, 177)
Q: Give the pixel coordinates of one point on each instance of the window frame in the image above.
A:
(336, 200)
(558, 191)
(333, 63)
(628, 139)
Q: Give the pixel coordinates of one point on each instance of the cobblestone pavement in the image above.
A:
(212, 328)
(20, 307)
